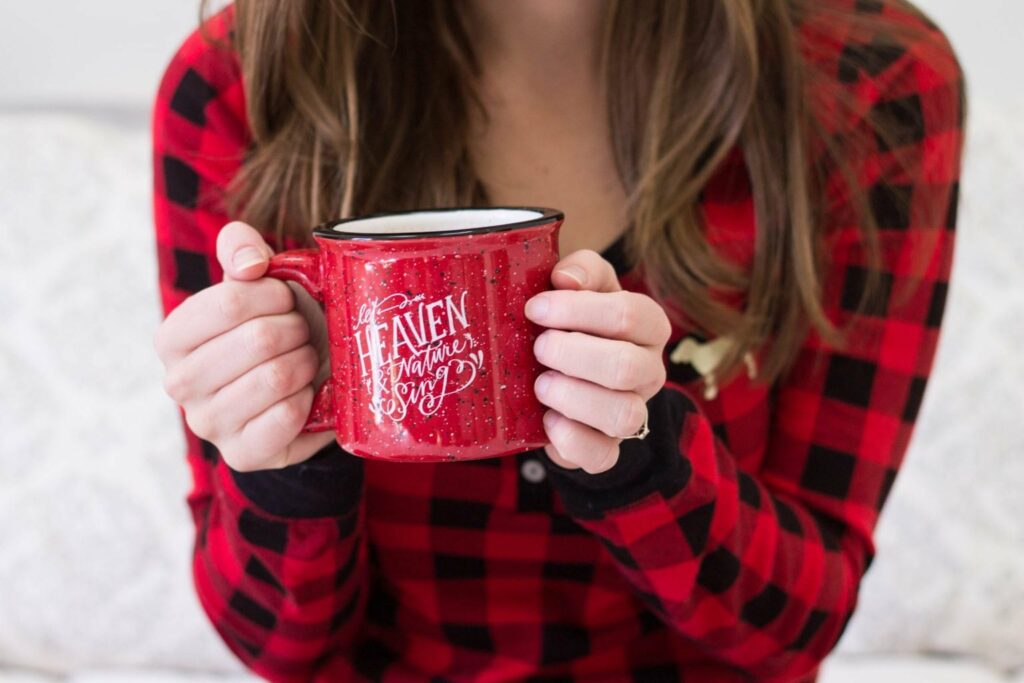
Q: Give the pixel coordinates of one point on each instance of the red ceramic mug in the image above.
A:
(431, 354)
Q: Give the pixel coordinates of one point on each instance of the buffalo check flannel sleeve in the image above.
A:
(280, 558)
(762, 568)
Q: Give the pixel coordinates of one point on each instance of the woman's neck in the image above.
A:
(543, 43)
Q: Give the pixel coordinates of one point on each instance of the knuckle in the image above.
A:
(626, 315)
(276, 375)
(263, 338)
(232, 304)
(291, 413)
(630, 416)
(653, 376)
(176, 384)
(627, 367)
(660, 375)
(664, 329)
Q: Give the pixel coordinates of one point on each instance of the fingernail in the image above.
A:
(537, 307)
(543, 382)
(550, 420)
(247, 257)
(576, 273)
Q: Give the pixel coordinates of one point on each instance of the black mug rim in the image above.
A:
(328, 230)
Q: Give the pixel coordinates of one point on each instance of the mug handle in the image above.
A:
(303, 266)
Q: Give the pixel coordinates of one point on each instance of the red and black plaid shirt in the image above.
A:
(727, 545)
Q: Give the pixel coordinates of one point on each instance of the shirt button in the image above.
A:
(533, 471)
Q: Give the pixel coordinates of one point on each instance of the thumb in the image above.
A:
(585, 269)
(242, 252)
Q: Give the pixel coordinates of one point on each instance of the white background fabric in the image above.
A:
(95, 536)
(71, 61)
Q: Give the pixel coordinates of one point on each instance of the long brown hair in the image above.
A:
(358, 106)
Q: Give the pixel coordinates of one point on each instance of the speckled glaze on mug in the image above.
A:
(431, 355)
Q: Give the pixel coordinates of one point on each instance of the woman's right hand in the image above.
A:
(241, 357)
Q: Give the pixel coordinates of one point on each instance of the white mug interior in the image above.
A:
(436, 221)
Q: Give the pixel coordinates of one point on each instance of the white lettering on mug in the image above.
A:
(413, 353)
(434, 322)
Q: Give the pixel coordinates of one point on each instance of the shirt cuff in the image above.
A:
(645, 466)
(328, 484)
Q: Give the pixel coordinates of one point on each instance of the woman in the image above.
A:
(779, 370)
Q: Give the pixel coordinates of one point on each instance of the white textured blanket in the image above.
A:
(94, 532)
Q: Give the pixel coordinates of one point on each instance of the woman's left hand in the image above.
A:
(604, 351)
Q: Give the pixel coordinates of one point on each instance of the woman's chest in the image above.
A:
(532, 155)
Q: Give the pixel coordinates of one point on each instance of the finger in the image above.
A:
(262, 387)
(272, 438)
(553, 455)
(242, 252)
(215, 310)
(227, 357)
(611, 363)
(585, 269)
(313, 312)
(616, 413)
(581, 445)
(623, 315)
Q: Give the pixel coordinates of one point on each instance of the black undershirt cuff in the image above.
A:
(328, 484)
(644, 465)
